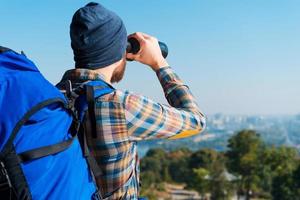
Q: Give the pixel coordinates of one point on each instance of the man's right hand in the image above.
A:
(150, 53)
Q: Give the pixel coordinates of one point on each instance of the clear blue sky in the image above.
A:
(238, 57)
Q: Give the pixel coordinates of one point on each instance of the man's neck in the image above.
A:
(106, 73)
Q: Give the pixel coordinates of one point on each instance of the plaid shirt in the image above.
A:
(123, 118)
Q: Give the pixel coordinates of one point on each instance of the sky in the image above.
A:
(236, 56)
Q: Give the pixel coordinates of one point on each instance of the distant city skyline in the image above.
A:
(238, 57)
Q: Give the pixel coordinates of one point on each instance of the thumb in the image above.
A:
(130, 56)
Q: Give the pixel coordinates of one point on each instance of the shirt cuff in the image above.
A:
(168, 79)
(167, 74)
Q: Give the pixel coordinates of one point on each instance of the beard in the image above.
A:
(119, 72)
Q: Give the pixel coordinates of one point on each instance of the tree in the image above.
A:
(178, 167)
(283, 162)
(203, 158)
(267, 171)
(154, 167)
(296, 179)
(283, 188)
(243, 159)
(221, 187)
(209, 174)
(156, 162)
(202, 183)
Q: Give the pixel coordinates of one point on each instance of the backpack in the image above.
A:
(42, 134)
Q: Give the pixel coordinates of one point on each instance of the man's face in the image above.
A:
(119, 72)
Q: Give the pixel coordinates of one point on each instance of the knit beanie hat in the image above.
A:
(98, 37)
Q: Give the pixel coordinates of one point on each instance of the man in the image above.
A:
(98, 40)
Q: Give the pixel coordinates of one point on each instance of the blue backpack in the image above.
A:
(43, 150)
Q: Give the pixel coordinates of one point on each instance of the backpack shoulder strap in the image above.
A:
(91, 109)
(45, 151)
(27, 116)
(93, 90)
(50, 149)
(42, 151)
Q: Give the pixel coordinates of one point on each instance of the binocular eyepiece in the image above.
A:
(133, 46)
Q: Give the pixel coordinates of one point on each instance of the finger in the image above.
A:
(146, 36)
(149, 37)
(139, 36)
(131, 35)
(131, 56)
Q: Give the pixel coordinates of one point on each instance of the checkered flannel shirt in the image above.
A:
(123, 118)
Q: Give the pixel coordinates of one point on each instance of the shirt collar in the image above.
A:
(82, 75)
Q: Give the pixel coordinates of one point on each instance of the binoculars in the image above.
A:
(133, 46)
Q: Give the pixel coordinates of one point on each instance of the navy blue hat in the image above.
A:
(98, 37)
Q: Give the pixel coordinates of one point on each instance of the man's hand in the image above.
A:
(150, 53)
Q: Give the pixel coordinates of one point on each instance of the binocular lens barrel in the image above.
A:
(133, 46)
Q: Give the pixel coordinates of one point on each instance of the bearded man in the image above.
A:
(99, 41)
